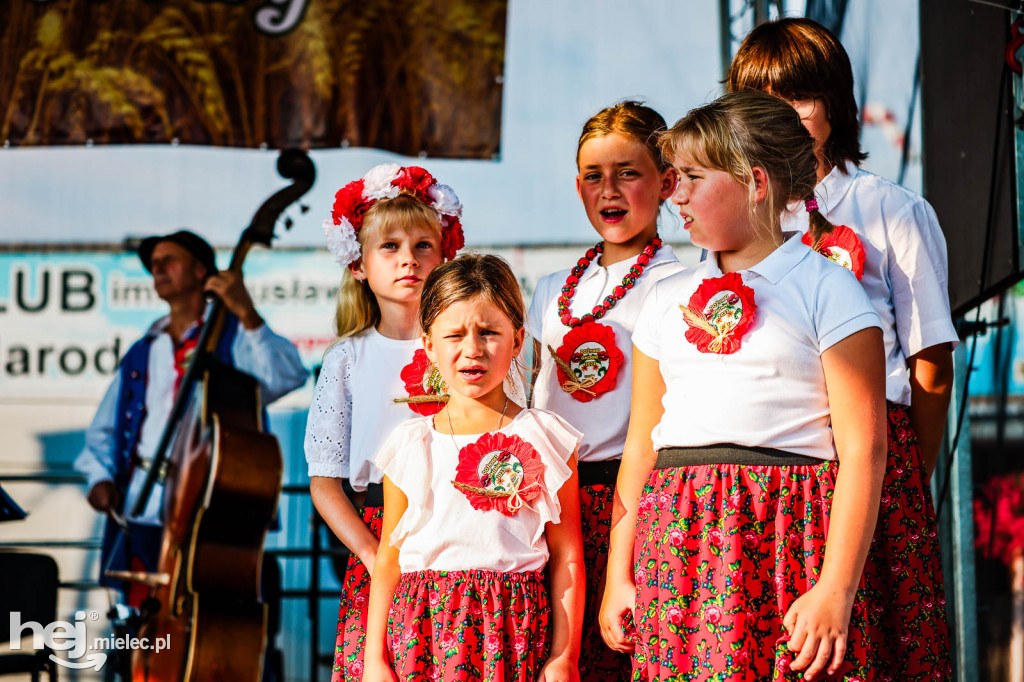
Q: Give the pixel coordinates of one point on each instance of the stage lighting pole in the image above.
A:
(956, 526)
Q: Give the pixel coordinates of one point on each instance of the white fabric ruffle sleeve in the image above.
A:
(556, 441)
(404, 459)
(329, 425)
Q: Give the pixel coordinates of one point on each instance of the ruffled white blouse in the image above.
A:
(440, 529)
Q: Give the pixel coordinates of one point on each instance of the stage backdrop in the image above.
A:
(69, 318)
(255, 73)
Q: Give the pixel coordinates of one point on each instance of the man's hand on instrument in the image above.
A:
(104, 497)
(228, 285)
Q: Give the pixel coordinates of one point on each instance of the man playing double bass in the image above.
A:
(124, 434)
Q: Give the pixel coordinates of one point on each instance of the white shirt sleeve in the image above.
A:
(329, 425)
(919, 274)
(272, 359)
(96, 460)
(535, 318)
(841, 307)
(645, 333)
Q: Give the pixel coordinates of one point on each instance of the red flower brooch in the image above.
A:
(719, 314)
(588, 361)
(499, 472)
(841, 246)
(427, 390)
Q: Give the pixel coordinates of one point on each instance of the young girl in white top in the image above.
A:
(891, 238)
(389, 230)
(747, 368)
(479, 500)
(582, 319)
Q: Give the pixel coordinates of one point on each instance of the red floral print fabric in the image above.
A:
(598, 663)
(721, 554)
(903, 573)
(355, 602)
(471, 626)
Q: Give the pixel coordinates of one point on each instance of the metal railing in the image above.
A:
(315, 553)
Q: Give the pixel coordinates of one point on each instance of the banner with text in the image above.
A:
(67, 318)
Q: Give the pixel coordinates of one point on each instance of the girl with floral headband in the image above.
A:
(582, 320)
(480, 502)
(754, 372)
(891, 239)
(388, 231)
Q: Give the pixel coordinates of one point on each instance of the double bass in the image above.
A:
(222, 477)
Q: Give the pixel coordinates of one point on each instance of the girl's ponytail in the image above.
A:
(819, 224)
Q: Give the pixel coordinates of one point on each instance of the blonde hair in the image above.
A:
(743, 130)
(357, 308)
(466, 277)
(632, 120)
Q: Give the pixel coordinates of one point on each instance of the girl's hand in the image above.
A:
(378, 670)
(559, 669)
(619, 600)
(368, 558)
(818, 624)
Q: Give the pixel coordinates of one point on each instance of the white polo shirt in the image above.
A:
(905, 265)
(604, 420)
(770, 392)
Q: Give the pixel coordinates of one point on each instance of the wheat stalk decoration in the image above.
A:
(571, 385)
(696, 318)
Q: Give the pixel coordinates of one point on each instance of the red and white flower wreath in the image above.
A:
(499, 472)
(387, 181)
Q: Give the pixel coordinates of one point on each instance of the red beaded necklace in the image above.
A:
(618, 292)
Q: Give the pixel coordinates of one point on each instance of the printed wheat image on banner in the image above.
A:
(410, 76)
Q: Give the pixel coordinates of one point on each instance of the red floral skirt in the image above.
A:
(598, 663)
(903, 573)
(722, 551)
(470, 626)
(355, 602)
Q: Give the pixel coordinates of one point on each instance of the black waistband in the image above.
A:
(598, 473)
(374, 495)
(727, 453)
